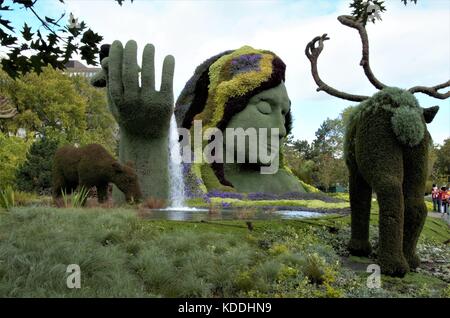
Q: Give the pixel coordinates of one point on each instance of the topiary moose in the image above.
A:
(386, 150)
(90, 166)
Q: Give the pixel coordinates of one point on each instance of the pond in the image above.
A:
(198, 214)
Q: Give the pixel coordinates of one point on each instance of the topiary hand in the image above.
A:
(143, 114)
(140, 110)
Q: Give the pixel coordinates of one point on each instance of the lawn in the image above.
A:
(123, 255)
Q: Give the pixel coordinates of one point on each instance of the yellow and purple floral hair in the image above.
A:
(222, 87)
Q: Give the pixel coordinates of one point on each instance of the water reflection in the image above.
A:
(195, 214)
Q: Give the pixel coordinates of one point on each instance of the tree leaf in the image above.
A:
(5, 23)
(50, 20)
(26, 33)
(25, 3)
(91, 38)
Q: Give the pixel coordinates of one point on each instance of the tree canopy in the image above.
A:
(370, 10)
(53, 43)
(321, 161)
(55, 105)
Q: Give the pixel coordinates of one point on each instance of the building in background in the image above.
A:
(76, 68)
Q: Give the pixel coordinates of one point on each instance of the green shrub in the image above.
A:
(13, 151)
(269, 270)
(445, 293)
(314, 268)
(78, 198)
(340, 195)
(309, 188)
(7, 199)
(26, 198)
(35, 174)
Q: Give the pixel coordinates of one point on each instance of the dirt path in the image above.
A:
(437, 215)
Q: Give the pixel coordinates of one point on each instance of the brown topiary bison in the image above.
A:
(90, 166)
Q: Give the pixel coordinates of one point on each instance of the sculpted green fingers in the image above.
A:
(142, 112)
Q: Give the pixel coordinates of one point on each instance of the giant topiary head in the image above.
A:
(236, 89)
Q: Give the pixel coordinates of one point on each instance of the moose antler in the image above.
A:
(5, 110)
(313, 52)
(353, 23)
(432, 91)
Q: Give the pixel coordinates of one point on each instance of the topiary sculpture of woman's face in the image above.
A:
(241, 89)
(267, 110)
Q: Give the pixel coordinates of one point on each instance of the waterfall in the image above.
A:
(176, 180)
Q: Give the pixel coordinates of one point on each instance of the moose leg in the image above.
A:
(415, 167)
(102, 192)
(360, 200)
(415, 215)
(380, 162)
(390, 253)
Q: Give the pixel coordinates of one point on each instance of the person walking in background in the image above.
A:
(447, 201)
(435, 197)
(439, 201)
(443, 198)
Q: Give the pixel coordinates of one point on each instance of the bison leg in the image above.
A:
(360, 200)
(102, 192)
(57, 187)
(59, 184)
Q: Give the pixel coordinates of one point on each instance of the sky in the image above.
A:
(409, 47)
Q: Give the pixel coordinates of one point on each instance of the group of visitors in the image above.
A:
(441, 199)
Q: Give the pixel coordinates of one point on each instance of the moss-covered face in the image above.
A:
(241, 89)
(267, 109)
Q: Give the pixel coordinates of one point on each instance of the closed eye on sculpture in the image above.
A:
(264, 107)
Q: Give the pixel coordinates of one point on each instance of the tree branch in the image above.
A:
(45, 25)
(432, 91)
(313, 52)
(352, 23)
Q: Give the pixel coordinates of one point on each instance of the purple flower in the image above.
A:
(261, 196)
(224, 195)
(292, 196)
(245, 63)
